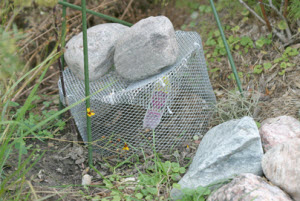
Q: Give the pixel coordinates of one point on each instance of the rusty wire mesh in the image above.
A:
(176, 104)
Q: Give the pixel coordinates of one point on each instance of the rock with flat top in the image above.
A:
(146, 48)
(101, 41)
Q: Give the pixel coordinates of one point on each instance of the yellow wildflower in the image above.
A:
(90, 112)
(126, 147)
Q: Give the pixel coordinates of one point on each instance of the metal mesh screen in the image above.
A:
(176, 104)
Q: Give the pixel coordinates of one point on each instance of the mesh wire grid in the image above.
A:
(176, 104)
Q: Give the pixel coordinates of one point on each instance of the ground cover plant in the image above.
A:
(42, 157)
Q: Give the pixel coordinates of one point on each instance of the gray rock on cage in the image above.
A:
(177, 103)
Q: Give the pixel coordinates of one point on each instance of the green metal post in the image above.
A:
(63, 32)
(86, 81)
(227, 48)
(106, 17)
(63, 42)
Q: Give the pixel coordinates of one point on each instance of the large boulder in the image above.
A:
(248, 187)
(277, 130)
(281, 165)
(231, 148)
(146, 48)
(101, 41)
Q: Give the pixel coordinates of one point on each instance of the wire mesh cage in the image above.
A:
(172, 106)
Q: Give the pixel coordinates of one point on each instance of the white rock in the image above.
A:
(277, 130)
(281, 165)
(231, 148)
(146, 48)
(101, 41)
(86, 179)
(248, 187)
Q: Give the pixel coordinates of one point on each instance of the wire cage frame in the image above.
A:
(176, 104)
(84, 11)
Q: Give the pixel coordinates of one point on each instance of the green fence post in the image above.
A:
(227, 48)
(86, 81)
(63, 42)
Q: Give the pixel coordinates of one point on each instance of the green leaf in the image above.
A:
(210, 42)
(182, 170)
(282, 72)
(257, 69)
(290, 64)
(245, 12)
(236, 28)
(277, 60)
(202, 190)
(267, 65)
(152, 191)
(116, 198)
(177, 186)
(139, 196)
(282, 25)
(13, 104)
(260, 43)
(283, 65)
(293, 52)
(175, 177)
(21, 146)
(258, 124)
(223, 51)
(217, 33)
(245, 19)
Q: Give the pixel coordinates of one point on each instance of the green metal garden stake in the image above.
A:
(86, 82)
(63, 42)
(63, 32)
(227, 48)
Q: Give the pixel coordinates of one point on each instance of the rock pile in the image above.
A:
(228, 149)
(137, 52)
(234, 148)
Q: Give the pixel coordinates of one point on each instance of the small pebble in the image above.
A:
(86, 179)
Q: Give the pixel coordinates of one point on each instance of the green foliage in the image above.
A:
(267, 65)
(236, 43)
(257, 69)
(158, 174)
(263, 41)
(45, 131)
(10, 63)
(198, 194)
(205, 9)
(282, 25)
(294, 10)
(232, 77)
(283, 61)
(193, 5)
(29, 3)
